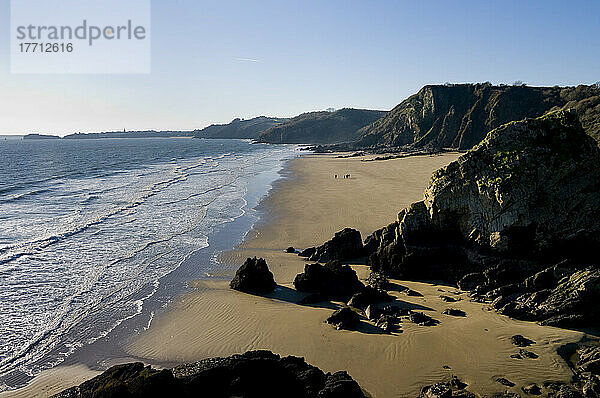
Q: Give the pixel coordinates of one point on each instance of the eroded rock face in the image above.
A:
(253, 374)
(345, 245)
(253, 277)
(530, 189)
(513, 220)
(573, 302)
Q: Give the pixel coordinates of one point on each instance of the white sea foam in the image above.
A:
(80, 255)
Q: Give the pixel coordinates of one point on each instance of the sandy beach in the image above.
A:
(305, 209)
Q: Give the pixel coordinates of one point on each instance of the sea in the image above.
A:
(94, 233)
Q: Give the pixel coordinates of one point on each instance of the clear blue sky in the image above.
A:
(213, 61)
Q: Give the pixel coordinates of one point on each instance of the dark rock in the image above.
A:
(340, 385)
(253, 374)
(413, 293)
(532, 389)
(589, 360)
(367, 296)
(457, 384)
(528, 354)
(378, 281)
(521, 341)
(345, 245)
(463, 394)
(253, 277)
(573, 302)
(388, 323)
(504, 381)
(454, 312)
(591, 385)
(332, 280)
(290, 250)
(472, 281)
(344, 318)
(395, 310)
(372, 312)
(567, 392)
(307, 252)
(421, 319)
(438, 390)
(449, 299)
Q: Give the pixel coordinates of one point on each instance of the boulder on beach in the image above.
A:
(252, 374)
(332, 280)
(290, 250)
(368, 295)
(253, 277)
(345, 245)
(521, 341)
(344, 318)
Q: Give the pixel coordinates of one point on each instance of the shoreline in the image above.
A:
(108, 350)
(304, 208)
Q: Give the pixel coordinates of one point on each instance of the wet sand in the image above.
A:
(305, 209)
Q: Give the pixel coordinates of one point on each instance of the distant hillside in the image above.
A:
(35, 136)
(130, 134)
(239, 128)
(321, 127)
(460, 115)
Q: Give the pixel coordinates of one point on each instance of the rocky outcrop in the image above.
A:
(453, 387)
(253, 374)
(460, 115)
(345, 245)
(573, 301)
(512, 220)
(321, 127)
(331, 281)
(253, 277)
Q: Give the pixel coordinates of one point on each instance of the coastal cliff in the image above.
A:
(240, 129)
(321, 127)
(460, 115)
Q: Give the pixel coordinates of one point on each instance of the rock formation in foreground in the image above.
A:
(515, 220)
(345, 245)
(253, 374)
(253, 277)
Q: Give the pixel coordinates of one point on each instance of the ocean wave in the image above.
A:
(115, 239)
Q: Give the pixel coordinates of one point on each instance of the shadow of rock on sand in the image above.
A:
(293, 296)
(367, 328)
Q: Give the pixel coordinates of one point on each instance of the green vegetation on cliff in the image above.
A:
(321, 127)
(238, 128)
(460, 115)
